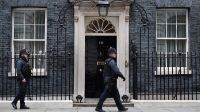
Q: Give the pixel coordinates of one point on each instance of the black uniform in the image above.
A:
(23, 72)
(111, 73)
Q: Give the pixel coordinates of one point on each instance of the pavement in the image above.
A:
(170, 106)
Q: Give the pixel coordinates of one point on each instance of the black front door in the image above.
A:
(95, 55)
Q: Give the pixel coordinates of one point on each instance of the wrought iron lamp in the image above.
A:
(103, 6)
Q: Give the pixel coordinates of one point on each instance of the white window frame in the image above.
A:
(36, 72)
(173, 70)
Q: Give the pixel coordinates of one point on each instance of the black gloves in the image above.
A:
(123, 78)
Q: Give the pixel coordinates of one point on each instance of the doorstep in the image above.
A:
(92, 102)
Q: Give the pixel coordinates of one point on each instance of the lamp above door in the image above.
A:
(103, 6)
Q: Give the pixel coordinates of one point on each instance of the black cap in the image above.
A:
(112, 50)
(23, 51)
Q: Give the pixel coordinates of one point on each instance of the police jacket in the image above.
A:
(23, 69)
(111, 70)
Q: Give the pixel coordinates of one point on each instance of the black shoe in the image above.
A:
(14, 105)
(24, 107)
(99, 110)
(123, 109)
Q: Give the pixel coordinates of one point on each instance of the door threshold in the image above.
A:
(104, 105)
(95, 100)
(92, 102)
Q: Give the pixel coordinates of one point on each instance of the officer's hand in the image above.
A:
(24, 80)
(123, 78)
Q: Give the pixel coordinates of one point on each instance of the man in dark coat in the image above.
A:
(23, 76)
(111, 73)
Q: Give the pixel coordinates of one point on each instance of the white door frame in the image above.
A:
(79, 48)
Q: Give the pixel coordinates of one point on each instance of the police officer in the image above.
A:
(111, 73)
(23, 76)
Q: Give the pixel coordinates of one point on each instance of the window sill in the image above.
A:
(166, 71)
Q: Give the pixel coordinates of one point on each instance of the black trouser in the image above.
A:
(21, 93)
(110, 89)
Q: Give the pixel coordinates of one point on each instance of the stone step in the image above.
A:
(107, 104)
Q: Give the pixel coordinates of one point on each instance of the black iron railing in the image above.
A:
(165, 76)
(154, 76)
(52, 77)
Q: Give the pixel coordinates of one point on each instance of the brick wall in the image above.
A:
(146, 79)
(55, 77)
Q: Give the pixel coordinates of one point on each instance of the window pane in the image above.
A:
(161, 16)
(29, 31)
(161, 30)
(39, 47)
(18, 17)
(171, 60)
(20, 45)
(181, 60)
(39, 62)
(29, 17)
(171, 46)
(171, 31)
(181, 31)
(31, 60)
(181, 46)
(40, 17)
(161, 60)
(181, 16)
(40, 31)
(171, 16)
(171, 53)
(161, 46)
(19, 31)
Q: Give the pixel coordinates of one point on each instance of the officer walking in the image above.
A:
(23, 76)
(111, 73)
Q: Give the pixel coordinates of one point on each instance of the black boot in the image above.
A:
(99, 110)
(123, 109)
(24, 107)
(14, 105)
